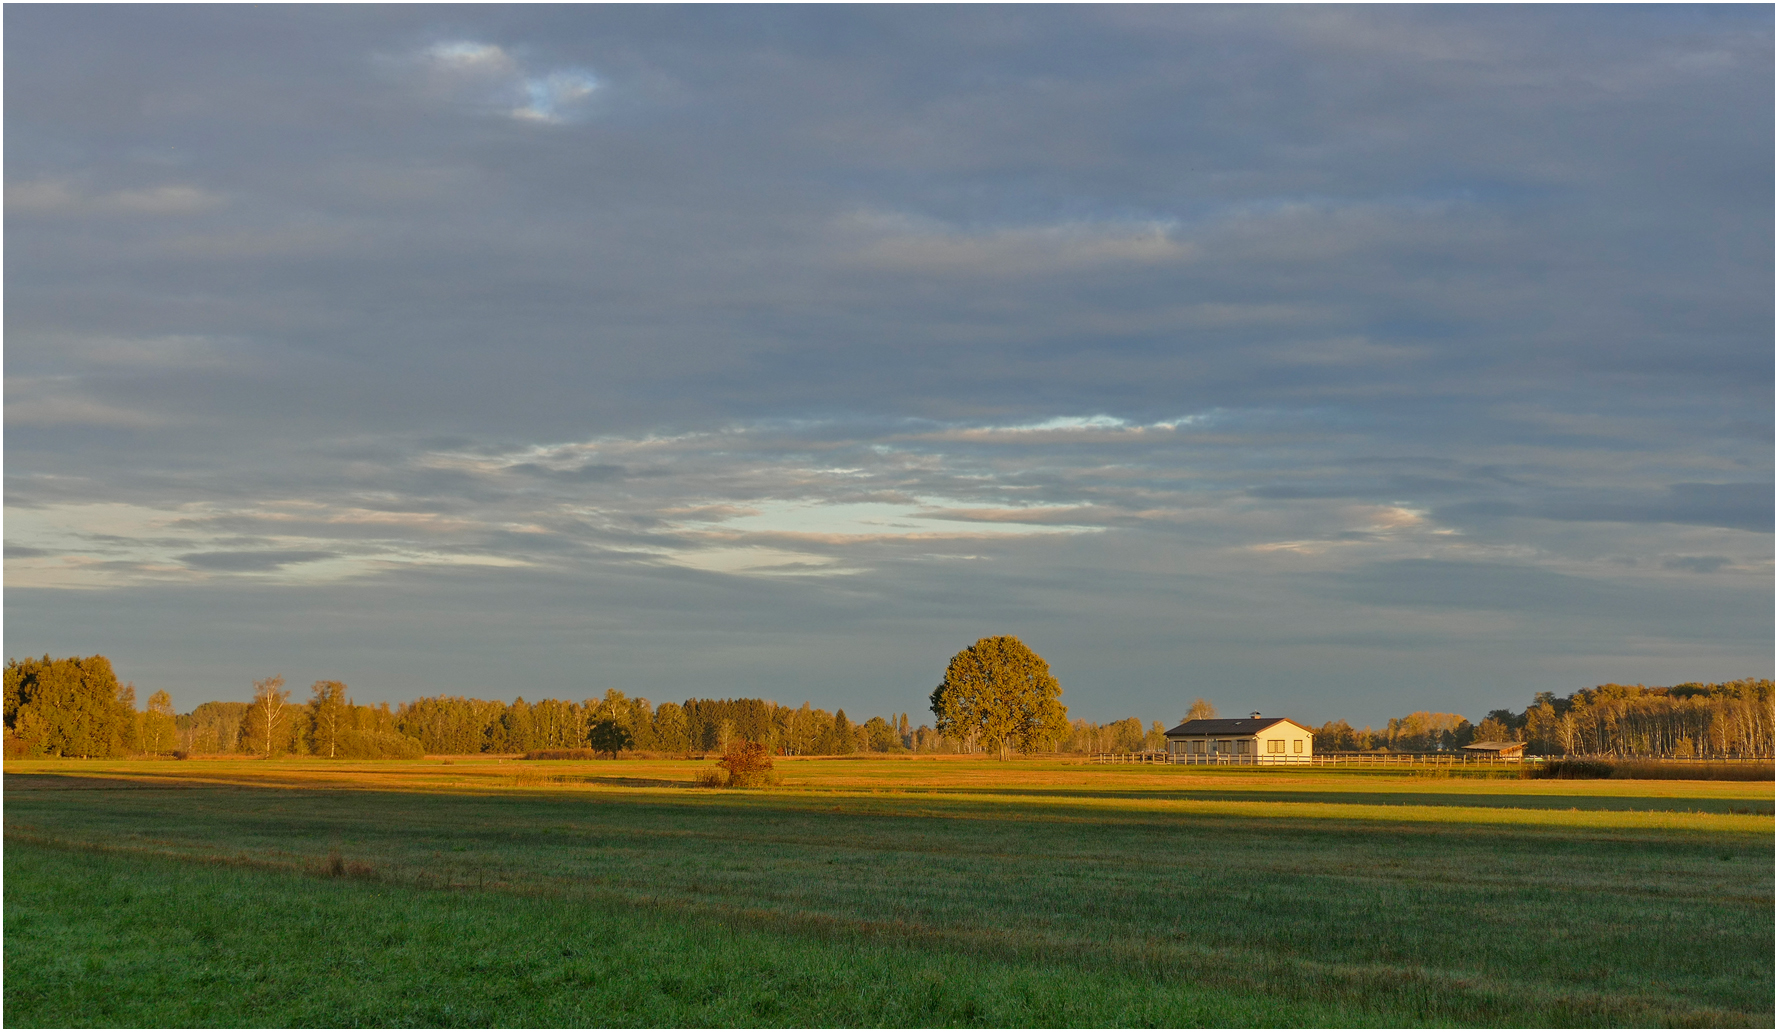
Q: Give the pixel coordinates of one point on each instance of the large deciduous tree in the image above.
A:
(70, 707)
(608, 736)
(1002, 694)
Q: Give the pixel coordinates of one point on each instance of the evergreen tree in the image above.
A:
(669, 728)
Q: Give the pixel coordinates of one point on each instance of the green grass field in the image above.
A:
(868, 892)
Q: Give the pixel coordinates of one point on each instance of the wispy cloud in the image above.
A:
(774, 498)
(61, 400)
(61, 197)
(491, 78)
(908, 243)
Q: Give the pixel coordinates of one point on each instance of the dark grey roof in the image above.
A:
(1495, 746)
(1241, 726)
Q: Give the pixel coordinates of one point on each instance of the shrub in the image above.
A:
(1568, 769)
(561, 754)
(748, 764)
(712, 777)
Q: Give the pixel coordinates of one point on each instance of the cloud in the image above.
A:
(250, 562)
(490, 78)
(291, 541)
(759, 561)
(61, 401)
(1697, 563)
(556, 97)
(1736, 506)
(59, 197)
(911, 244)
(1065, 427)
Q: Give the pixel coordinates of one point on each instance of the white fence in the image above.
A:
(1321, 760)
(1356, 759)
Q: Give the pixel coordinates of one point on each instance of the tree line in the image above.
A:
(76, 707)
(1729, 719)
(995, 700)
(454, 724)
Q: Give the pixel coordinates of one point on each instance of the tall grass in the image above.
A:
(1594, 768)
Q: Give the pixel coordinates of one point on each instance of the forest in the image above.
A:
(77, 707)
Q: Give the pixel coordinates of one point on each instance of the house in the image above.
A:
(1505, 750)
(1254, 739)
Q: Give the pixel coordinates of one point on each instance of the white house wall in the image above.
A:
(1182, 751)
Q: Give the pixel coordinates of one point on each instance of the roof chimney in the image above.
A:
(1256, 716)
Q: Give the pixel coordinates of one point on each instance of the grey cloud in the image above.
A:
(250, 562)
(1735, 506)
(1471, 585)
(1529, 595)
(579, 474)
(1696, 563)
(1307, 491)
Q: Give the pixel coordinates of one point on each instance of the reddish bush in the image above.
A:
(749, 765)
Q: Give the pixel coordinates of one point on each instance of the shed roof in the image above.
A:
(1494, 746)
(1241, 726)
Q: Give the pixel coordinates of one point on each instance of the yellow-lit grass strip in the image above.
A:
(967, 774)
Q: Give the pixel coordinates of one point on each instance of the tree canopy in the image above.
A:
(70, 707)
(1000, 693)
(609, 736)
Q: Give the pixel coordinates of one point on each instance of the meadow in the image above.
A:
(488, 891)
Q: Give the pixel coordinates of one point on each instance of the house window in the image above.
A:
(1297, 745)
(1274, 745)
(1240, 745)
(1198, 746)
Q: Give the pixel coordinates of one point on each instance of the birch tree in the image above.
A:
(327, 708)
(159, 724)
(268, 715)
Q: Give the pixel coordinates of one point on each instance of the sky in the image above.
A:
(1327, 362)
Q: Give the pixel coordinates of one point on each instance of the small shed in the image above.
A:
(1254, 739)
(1512, 750)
